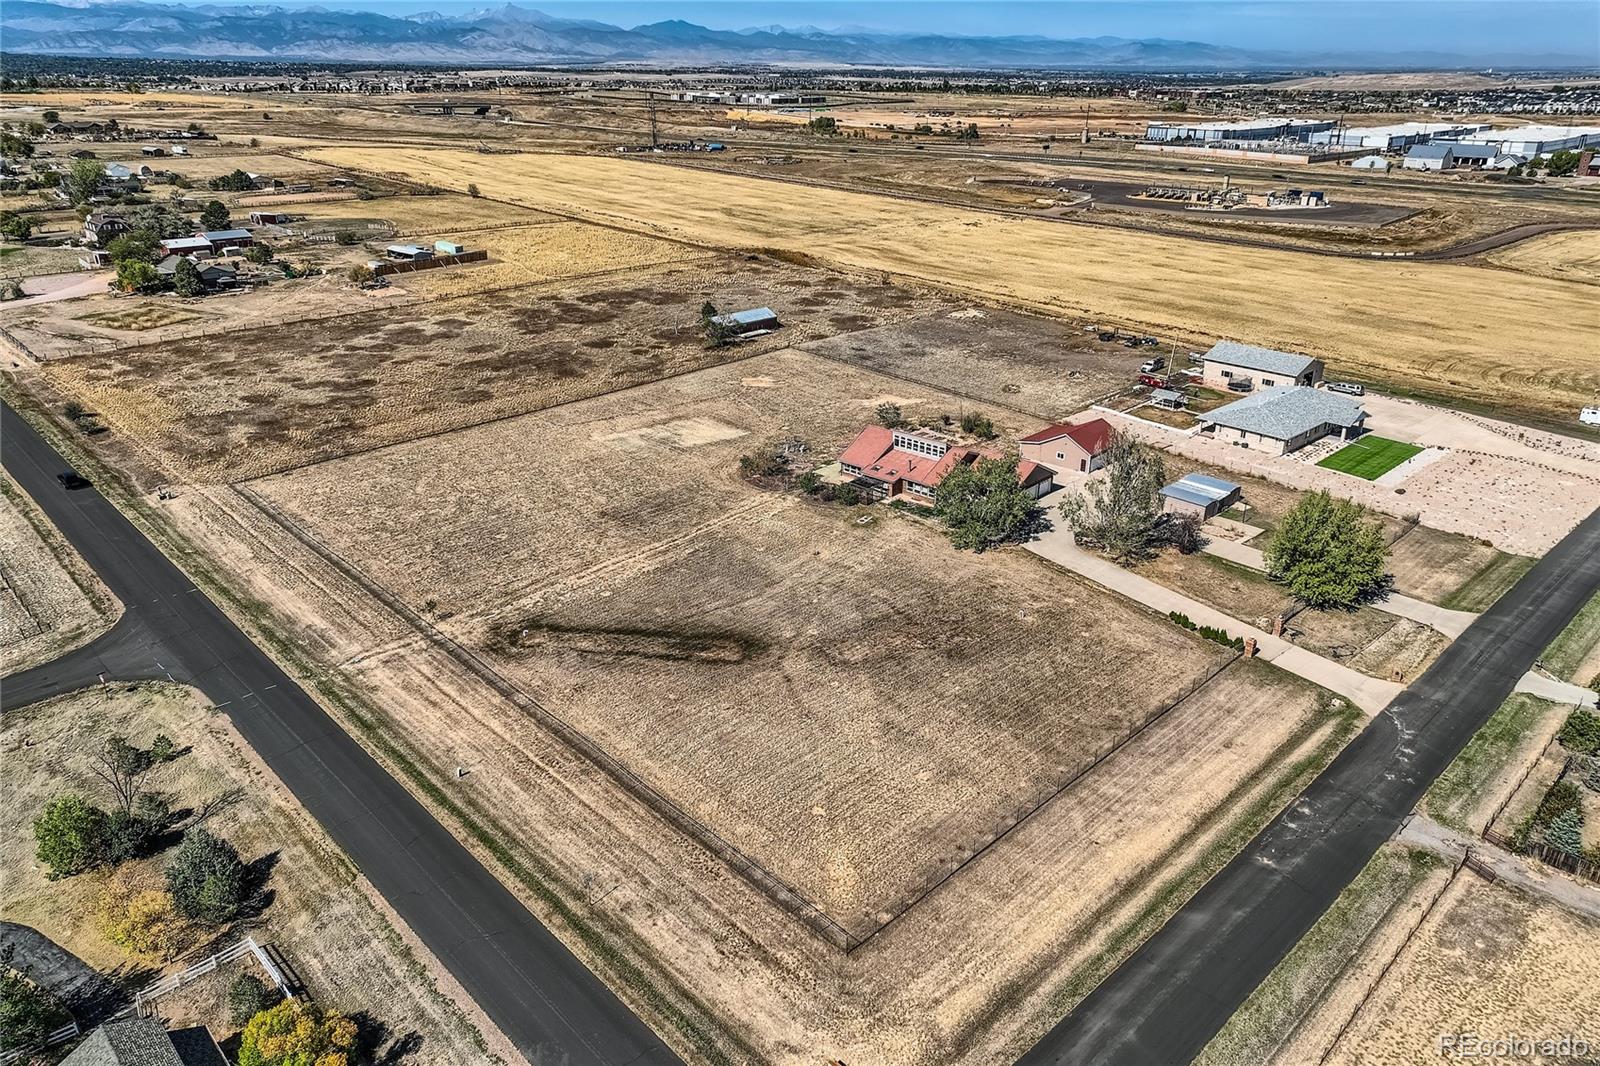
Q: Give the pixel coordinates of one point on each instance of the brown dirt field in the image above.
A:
(275, 398)
(1490, 961)
(1036, 365)
(975, 973)
(50, 601)
(319, 915)
(800, 622)
(1565, 256)
(1445, 324)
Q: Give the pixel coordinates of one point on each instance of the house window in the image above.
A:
(1267, 383)
(1226, 373)
(1061, 455)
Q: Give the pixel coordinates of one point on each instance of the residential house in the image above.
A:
(146, 1042)
(100, 228)
(1063, 448)
(1245, 367)
(1281, 419)
(910, 464)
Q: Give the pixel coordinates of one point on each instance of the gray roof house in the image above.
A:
(1279, 420)
(1230, 364)
(145, 1042)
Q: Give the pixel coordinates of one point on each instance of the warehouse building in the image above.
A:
(1448, 155)
(1279, 420)
(1395, 137)
(1531, 141)
(1262, 129)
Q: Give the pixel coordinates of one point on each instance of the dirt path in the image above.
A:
(1421, 831)
(67, 287)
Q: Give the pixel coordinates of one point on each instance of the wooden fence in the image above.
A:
(413, 265)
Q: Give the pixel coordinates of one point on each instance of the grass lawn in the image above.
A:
(1370, 457)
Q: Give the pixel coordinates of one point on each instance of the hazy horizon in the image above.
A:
(1483, 27)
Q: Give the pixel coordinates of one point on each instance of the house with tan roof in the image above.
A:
(910, 464)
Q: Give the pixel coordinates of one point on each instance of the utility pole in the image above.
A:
(653, 141)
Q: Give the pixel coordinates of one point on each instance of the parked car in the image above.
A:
(1150, 366)
(71, 479)
(1152, 381)
(1349, 388)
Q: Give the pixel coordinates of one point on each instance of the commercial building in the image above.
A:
(1531, 141)
(1279, 420)
(1246, 368)
(1199, 495)
(1062, 448)
(1449, 155)
(1262, 129)
(910, 464)
(1394, 137)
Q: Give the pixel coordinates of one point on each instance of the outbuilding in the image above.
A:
(1370, 162)
(410, 253)
(752, 323)
(195, 246)
(1080, 448)
(228, 238)
(268, 218)
(448, 247)
(1245, 367)
(1168, 399)
(1200, 495)
(1281, 419)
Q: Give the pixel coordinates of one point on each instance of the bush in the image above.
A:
(809, 482)
(17, 227)
(1563, 796)
(248, 996)
(162, 749)
(206, 877)
(848, 495)
(345, 237)
(1565, 832)
(1581, 734)
(889, 416)
(141, 918)
(472, 191)
(360, 274)
(293, 1033)
(72, 836)
(977, 425)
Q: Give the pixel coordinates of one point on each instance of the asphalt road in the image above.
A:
(1165, 1002)
(543, 999)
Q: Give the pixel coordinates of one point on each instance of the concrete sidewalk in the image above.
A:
(1423, 832)
(1368, 693)
(1549, 688)
(1451, 623)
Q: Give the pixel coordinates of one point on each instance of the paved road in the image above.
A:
(1166, 1001)
(526, 980)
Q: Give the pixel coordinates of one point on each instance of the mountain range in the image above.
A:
(516, 35)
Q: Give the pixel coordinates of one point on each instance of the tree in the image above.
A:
(186, 279)
(15, 145)
(1562, 163)
(71, 836)
(214, 216)
(84, 178)
(472, 190)
(17, 227)
(139, 245)
(237, 181)
(260, 254)
(978, 425)
(360, 274)
(248, 996)
(1119, 513)
(826, 125)
(1327, 553)
(294, 1033)
(889, 416)
(28, 1013)
(206, 877)
(717, 332)
(134, 275)
(981, 504)
(51, 117)
(137, 916)
(123, 767)
(345, 237)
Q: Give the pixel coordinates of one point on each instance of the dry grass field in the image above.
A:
(274, 398)
(440, 214)
(1566, 256)
(524, 255)
(876, 713)
(50, 601)
(321, 915)
(1489, 960)
(141, 316)
(1446, 325)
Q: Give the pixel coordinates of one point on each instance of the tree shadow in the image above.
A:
(257, 895)
(373, 1033)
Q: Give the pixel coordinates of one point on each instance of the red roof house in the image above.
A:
(1062, 448)
(911, 463)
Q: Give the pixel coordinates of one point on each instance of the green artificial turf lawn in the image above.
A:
(1370, 457)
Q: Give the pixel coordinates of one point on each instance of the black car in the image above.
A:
(71, 479)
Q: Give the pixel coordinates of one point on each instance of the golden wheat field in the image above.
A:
(1567, 256)
(1452, 328)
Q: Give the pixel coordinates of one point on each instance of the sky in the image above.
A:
(1571, 27)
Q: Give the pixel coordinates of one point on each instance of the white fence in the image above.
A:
(61, 1035)
(172, 982)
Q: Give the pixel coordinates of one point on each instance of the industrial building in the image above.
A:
(1262, 129)
(1395, 137)
(1449, 155)
(1532, 141)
